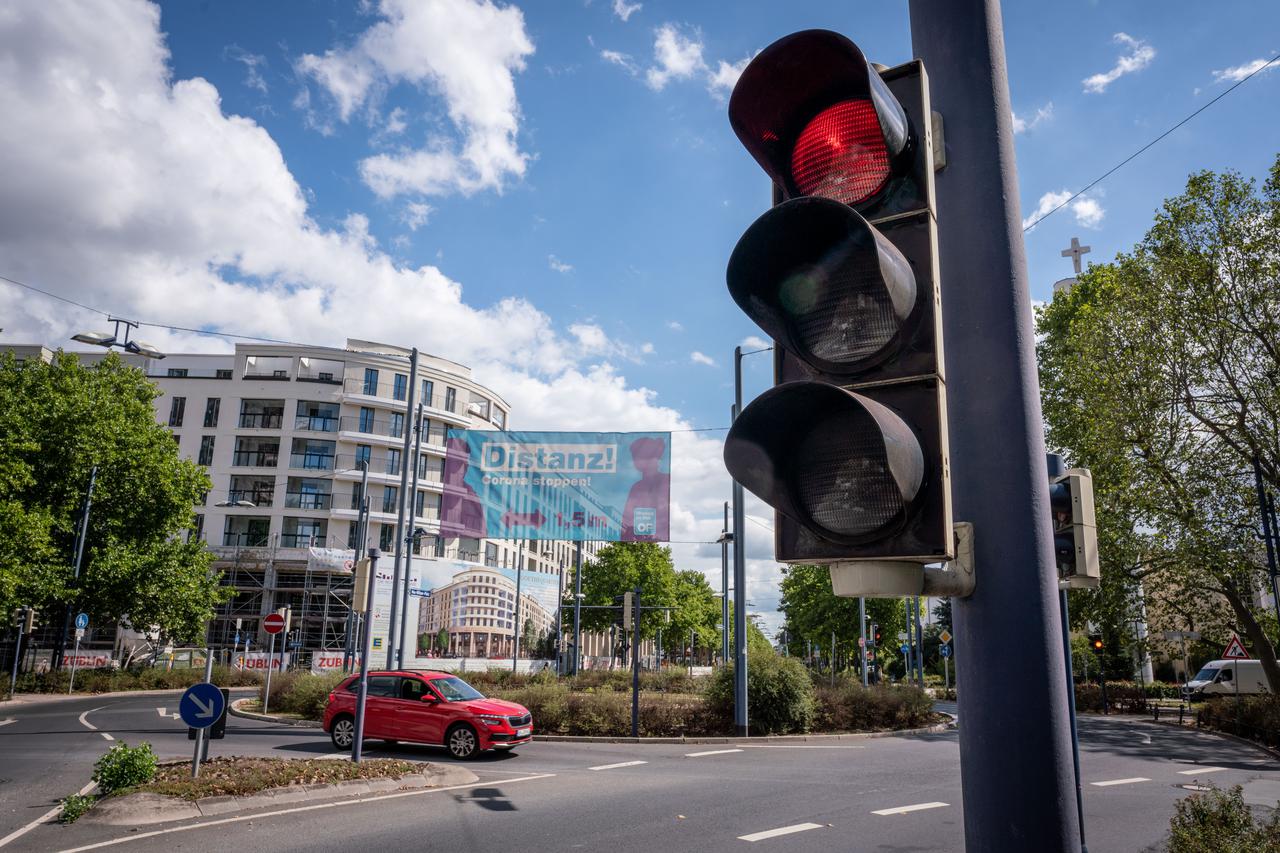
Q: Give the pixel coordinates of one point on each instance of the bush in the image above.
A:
(141, 678)
(1220, 822)
(74, 806)
(1123, 697)
(1258, 716)
(124, 766)
(851, 707)
(779, 694)
(301, 693)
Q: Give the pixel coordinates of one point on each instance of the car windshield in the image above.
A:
(454, 689)
(1206, 674)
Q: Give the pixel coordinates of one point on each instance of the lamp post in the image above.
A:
(102, 339)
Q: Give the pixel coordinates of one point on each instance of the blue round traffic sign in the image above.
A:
(82, 621)
(201, 706)
(904, 648)
(945, 651)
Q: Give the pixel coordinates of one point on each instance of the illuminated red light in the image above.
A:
(841, 154)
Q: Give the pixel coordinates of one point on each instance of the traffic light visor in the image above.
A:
(843, 465)
(819, 119)
(832, 289)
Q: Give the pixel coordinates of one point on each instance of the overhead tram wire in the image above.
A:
(1132, 156)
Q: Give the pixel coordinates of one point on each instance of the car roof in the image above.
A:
(425, 673)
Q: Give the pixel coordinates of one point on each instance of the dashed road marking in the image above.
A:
(918, 807)
(107, 736)
(1110, 782)
(18, 833)
(710, 752)
(796, 746)
(782, 830)
(615, 766)
(1200, 770)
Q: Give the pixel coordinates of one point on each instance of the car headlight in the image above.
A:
(493, 722)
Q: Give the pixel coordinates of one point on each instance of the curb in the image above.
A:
(145, 808)
(1273, 753)
(235, 711)
(28, 699)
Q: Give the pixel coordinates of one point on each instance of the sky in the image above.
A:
(547, 192)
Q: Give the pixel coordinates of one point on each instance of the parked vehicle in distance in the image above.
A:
(427, 706)
(1228, 677)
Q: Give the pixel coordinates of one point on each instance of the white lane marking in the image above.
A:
(8, 721)
(107, 736)
(774, 833)
(85, 722)
(18, 833)
(796, 746)
(164, 712)
(918, 807)
(1146, 738)
(1120, 781)
(1200, 770)
(336, 804)
(710, 752)
(619, 764)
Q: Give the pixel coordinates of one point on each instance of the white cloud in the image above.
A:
(253, 63)
(675, 326)
(620, 59)
(755, 342)
(465, 51)
(1239, 72)
(558, 265)
(677, 56)
(625, 10)
(647, 348)
(725, 77)
(1138, 57)
(415, 214)
(1088, 211)
(396, 122)
(699, 358)
(1043, 114)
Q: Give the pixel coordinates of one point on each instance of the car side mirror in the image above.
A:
(428, 698)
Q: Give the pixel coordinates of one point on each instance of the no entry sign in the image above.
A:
(273, 623)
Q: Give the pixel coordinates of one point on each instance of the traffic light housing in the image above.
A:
(29, 620)
(1075, 535)
(874, 634)
(628, 611)
(1096, 643)
(849, 447)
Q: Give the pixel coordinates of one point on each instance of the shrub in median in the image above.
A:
(301, 693)
(74, 806)
(1257, 718)
(850, 707)
(141, 678)
(1123, 697)
(1220, 822)
(779, 694)
(124, 766)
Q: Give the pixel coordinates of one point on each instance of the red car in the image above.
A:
(427, 707)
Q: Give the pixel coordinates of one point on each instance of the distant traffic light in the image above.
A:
(1075, 536)
(29, 620)
(628, 613)
(1096, 643)
(850, 445)
(874, 634)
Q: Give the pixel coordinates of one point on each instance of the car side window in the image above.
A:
(412, 689)
(1226, 675)
(384, 685)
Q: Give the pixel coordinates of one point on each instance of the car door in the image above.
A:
(380, 701)
(418, 714)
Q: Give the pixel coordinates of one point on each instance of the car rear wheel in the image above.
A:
(462, 741)
(343, 732)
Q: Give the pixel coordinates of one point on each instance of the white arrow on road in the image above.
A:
(8, 721)
(164, 712)
(205, 710)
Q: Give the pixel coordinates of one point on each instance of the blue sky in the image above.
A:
(546, 191)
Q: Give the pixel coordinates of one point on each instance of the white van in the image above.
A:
(1220, 677)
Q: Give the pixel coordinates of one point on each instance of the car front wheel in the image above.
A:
(463, 743)
(343, 733)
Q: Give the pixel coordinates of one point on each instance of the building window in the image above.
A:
(222, 373)
(450, 399)
(386, 535)
(177, 372)
(393, 461)
(499, 418)
(177, 407)
(370, 382)
(363, 452)
(490, 554)
(428, 389)
(366, 420)
(177, 439)
(351, 535)
(211, 407)
(389, 495)
(400, 386)
(197, 530)
(419, 504)
(206, 450)
(396, 425)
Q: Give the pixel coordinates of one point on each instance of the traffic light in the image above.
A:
(874, 634)
(1075, 535)
(849, 447)
(29, 620)
(1095, 643)
(628, 613)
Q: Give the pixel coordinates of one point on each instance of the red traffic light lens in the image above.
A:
(841, 154)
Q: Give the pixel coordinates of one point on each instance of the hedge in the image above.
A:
(145, 678)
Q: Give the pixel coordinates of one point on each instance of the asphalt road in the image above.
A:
(884, 794)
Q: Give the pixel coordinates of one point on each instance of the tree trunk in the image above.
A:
(1257, 637)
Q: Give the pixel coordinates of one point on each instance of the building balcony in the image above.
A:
(315, 423)
(256, 458)
(261, 420)
(308, 500)
(312, 461)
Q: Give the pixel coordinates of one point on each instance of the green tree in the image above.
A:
(529, 639)
(697, 609)
(619, 568)
(813, 613)
(442, 640)
(57, 421)
(1161, 373)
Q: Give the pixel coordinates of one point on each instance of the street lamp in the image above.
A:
(239, 503)
(102, 339)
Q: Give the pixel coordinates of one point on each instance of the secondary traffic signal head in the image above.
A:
(1096, 643)
(628, 614)
(874, 634)
(850, 446)
(1075, 537)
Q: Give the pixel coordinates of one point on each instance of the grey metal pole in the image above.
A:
(266, 691)
(724, 589)
(1008, 631)
(560, 621)
(17, 656)
(413, 521)
(366, 651)
(919, 632)
(862, 649)
(635, 665)
(362, 522)
(392, 651)
(202, 735)
(740, 716)
(577, 608)
(81, 535)
(1071, 700)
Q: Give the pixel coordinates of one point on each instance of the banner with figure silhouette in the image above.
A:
(580, 486)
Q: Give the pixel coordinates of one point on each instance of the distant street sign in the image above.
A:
(904, 648)
(945, 651)
(1235, 650)
(902, 635)
(1181, 635)
(79, 633)
(82, 621)
(273, 623)
(201, 706)
(945, 636)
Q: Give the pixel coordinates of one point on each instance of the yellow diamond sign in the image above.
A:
(945, 636)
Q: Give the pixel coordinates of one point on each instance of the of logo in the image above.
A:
(645, 521)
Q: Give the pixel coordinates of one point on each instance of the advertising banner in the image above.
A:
(261, 661)
(88, 660)
(330, 560)
(330, 661)
(579, 486)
